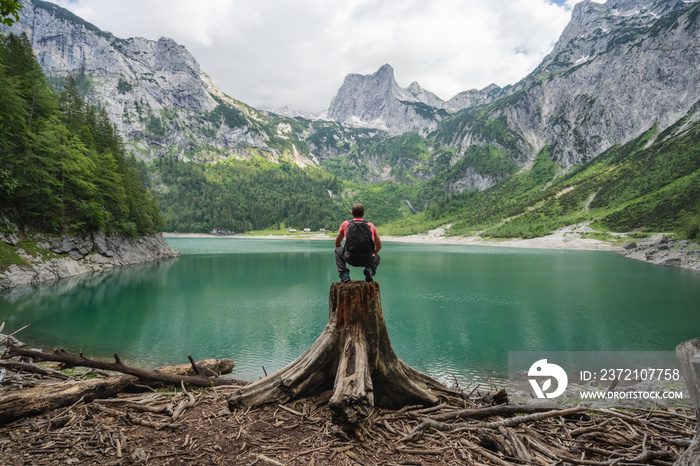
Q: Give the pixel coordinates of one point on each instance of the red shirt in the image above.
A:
(344, 228)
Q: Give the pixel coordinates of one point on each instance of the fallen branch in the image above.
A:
(508, 422)
(177, 412)
(70, 360)
(194, 365)
(515, 421)
(490, 411)
(206, 367)
(135, 419)
(7, 337)
(31, 368)
(267, 460)
(485, 453)
(519, 448)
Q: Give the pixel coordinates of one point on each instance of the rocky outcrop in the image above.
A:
(471, 180)
(476, 97)
(683, 254)
(68, 256)
(377, 101)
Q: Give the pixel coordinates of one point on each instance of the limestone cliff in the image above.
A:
(154, 91)
(618, 69)
(476, 97)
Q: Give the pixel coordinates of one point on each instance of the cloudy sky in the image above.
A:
(271, 53)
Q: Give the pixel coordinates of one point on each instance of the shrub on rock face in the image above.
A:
(689, 224)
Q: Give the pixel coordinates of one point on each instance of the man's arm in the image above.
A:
(339, 239)
(377, 243)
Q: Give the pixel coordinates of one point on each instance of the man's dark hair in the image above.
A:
(358, 211)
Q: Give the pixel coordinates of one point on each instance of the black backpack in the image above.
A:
(359, 245)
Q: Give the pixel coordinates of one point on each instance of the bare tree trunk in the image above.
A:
(353, 356)
(689, 355)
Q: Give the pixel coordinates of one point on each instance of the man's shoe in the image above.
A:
(345, 277)
(368, 274)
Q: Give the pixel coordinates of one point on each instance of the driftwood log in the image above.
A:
(354, 358)
(16, 404)
(205, 368)
(148, 376)
(689, 355)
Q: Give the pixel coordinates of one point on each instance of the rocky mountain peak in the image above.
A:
(415, 88)
(380, 82)
(376, 100)
(417, 93)
(385, 72)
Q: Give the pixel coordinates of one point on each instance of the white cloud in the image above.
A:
(274, 53)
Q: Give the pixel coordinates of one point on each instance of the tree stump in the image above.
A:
(354, 358)
(689, 355)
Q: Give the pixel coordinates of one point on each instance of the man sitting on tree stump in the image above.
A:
(362, 244)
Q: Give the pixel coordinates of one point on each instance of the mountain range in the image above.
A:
(619, 70)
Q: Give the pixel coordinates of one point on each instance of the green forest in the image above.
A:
(63, 166)
(241, 195)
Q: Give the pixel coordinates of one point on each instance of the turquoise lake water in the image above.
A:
(451, 311)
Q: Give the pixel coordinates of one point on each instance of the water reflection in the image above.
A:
(87, 308)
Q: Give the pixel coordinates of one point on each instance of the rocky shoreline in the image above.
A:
(668, 253)
(68, 256)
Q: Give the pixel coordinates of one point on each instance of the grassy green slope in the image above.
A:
(650, 184)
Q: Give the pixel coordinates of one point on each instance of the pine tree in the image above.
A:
(71, 105)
